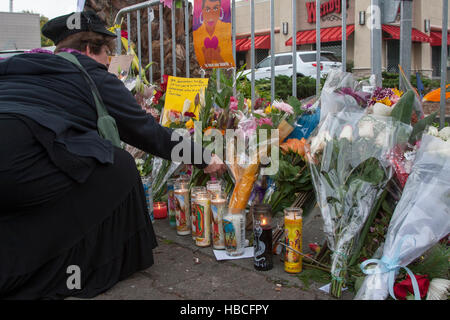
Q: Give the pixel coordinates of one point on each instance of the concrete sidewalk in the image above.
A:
(183, 271)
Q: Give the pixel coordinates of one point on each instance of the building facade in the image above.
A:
(426, 45)
(19, 31)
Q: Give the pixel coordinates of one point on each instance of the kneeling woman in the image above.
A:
(69, 198)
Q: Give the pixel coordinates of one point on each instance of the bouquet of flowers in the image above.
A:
(350, 170)
(420, 220)
(292, 177)
(341, 91)
(244, 168)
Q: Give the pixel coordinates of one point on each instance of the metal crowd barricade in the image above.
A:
(148, 5)
(375, 42)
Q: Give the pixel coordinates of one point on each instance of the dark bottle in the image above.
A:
(262, 230)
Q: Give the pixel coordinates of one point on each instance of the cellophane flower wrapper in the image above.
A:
(244, 158)
(421, 217)
(162, 170)
(331, 102)
(349, 171)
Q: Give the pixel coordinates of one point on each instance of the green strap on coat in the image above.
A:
(106, 125)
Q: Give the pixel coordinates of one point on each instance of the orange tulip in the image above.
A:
(295, 145)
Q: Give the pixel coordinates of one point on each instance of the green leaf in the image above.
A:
(420, 127)
(403, 109)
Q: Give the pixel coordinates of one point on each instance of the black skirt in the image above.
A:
(54, 228)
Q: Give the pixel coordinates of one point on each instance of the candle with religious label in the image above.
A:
(160, 210)
(214, 186)
(194, 192)
(171, 202)
(293, 237)
(234, 231)
(262, 230)
(182, 207)
(147, 184)
(218, 207)
(202, 206)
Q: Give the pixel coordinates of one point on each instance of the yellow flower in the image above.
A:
(385, 101)
(397, 92)
(268, 109)
(249, 104)
(190, 124)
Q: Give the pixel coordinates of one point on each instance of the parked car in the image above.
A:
(306, 65)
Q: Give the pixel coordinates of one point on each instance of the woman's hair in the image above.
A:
(203, 3)
(79, 41)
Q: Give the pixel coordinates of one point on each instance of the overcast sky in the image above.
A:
(48, 8)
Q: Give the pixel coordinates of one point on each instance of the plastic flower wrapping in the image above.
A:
(341, 91)
(420, 220)
(348, 160)
(255, 143)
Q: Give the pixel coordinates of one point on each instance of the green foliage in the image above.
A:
(306, 87)
(292, 177)
(403, 109)
(391, 80)
(435, 263)
(310, 274)
(420, 127)
(45, 42)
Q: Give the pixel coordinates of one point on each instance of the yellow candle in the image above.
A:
(293, 238)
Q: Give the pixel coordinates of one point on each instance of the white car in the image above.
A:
(306, 65)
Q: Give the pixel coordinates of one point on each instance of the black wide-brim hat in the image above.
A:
(61, 27)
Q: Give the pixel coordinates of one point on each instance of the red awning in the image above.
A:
(239, 43)
(436, 38)
(326, 35)
(261, 42)
(394, 32)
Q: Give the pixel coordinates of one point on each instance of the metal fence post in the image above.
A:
(375, 42)
(444, 58)
(161, 39)
(233, 32)
(344, 35)
(129, 32)
(186, 33)
(174, 45)
(294, 48)
(252, 53)
(318, 48)
(272, 50)
(139, 42)
(150, 44)
(405, 40)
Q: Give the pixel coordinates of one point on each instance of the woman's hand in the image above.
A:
(216, 166)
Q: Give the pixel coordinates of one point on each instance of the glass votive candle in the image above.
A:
(194, 191)
(262, 231)
(171, 202)
(293, 222)
(147, 184)
(214, 186)
(218, 210)
(160, 210)
(182, 207)
(202, 204)
(234, 232)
